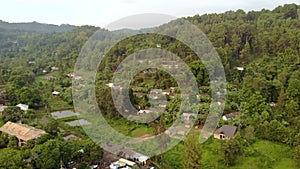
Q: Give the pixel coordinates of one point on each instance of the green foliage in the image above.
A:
(293, 90)
(11, 159)
(172, 108)
(230, 150)
(249, 134)
(174, 157)
(296, 152)
(36, 27)
(55, 152)
(3, 140)
(13, 142)
(43, 139)
(265, 43)
(51, 127)
(83, 166)
(192, 153)
(200, 72)
(29, 145)
(47, 155)
(105, 102)
(13, 114)
(92, 151)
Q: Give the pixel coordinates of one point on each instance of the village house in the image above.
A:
(31, 62)
(49, 78)
(170, 64)
(134, 156)
(230, 116)
(153, 96)
(188, 119)
(122, 163)
(117, 164)
(74, 76)
(110, 84)
(178, 132)
(163, 103)
(53, 68)
(182, 132)
(189, 116)
(240, 68)
(150, 71)
(71, 137)
(23, 107)
(273, 104)
(2, 108)
(156, 91)
(158, 94)
(225, 132)
(142, 112)
(55, 93)
(166, 92)
(114, 86)
(23, 132)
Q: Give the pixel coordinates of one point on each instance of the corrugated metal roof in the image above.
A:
(22, 131)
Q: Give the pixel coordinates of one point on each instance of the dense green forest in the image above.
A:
(36, 58)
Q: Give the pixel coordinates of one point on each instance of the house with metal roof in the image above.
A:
(135, 156)
(23, 107)
(23, 132)
(231, 116)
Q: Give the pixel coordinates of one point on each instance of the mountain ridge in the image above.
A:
(36, 27)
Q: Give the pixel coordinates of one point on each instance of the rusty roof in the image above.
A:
(21, 131)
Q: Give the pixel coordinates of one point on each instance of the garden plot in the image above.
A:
(63, 114)
(80, 122)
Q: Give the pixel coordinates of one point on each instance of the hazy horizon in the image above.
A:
(104, 12)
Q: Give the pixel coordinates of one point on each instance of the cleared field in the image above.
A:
(262, 154)
(80, 122)
(63, 114)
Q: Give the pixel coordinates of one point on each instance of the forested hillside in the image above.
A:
(36, 27)
(260, 52)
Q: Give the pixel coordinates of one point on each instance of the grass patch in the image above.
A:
(65, 128)
(279, 154)
(141, 131)
(68, 119)
(266, 154)
(57, 104)
(286, 163)
(211, 157)
(129, 128)
(174, 156)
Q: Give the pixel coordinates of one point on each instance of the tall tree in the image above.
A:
(230, 151)
(192, 153)
(293, 90)
(12, 159)
(12, 114)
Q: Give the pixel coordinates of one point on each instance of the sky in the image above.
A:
(103, 12)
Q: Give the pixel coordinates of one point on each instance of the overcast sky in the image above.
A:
(102, 12)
